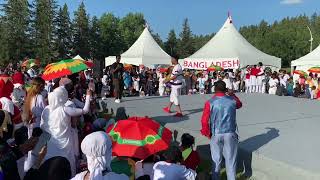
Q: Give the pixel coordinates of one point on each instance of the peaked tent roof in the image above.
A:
(229, 43)
(311, 59)
(78, 57)
(144, 51)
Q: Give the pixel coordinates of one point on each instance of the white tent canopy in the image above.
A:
(145, 51)
(229, 49)
(305, 62)
(78, 57)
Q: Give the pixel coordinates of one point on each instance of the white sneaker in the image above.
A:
(117, 101)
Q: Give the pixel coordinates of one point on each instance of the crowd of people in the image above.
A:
(142, 81)
(55, 129)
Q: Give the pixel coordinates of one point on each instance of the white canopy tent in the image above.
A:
(229, 49)
(78, 57)
(145, 51)
(306, 62)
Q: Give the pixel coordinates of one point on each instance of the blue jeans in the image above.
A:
(225, 145)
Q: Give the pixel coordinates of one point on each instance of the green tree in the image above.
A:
(131, 26)
(111, 35)
(81, 32)
(201, 40)
(63, 33)
(16, 21)
(43, 28)
(171, 45)
(4, 53)
(95, 39)
(186, 44)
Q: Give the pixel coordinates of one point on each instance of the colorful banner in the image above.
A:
(204, 64)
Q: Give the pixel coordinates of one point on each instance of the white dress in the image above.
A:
(56, 120)
(37, 106)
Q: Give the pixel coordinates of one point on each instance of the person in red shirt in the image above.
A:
(18, 77)
(253, 78)
(247, 83)
(190, 157)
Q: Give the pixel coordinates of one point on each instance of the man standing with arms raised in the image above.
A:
(219, 124)
(117, 80)
(176, 83)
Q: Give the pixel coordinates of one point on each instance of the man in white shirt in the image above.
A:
(170, 169)
(176, 84)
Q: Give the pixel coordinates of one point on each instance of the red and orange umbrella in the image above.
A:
(314, 69)
(138, 137)
(64, 68)
(300, 73)
(215, 68)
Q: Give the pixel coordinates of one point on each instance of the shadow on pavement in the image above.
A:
(246, 148)
(252, 144)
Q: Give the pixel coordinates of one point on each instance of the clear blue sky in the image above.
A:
(205, 16)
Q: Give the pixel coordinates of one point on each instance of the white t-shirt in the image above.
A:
(177, 71)
(286, 77)
(170, 171)
(228, 83)
(273, 82)
(201, 82)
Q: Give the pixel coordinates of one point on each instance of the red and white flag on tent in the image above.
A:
(230, 18)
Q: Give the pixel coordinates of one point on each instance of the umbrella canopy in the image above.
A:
(301, 73)
(163, 68)
(30, 62)
(314, 69)
(63, 68)
(138, 137)
(215, 68)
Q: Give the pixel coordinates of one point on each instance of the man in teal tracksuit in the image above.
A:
(219, 124)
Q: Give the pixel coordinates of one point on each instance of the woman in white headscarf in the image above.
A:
(97, 147)
(56, 120)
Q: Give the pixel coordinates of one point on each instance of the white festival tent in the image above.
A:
(306, 62)
(145, 51)
(78, 57)
(229, 49)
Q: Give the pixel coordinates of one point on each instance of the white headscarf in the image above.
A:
(97, 147)
(57, 98)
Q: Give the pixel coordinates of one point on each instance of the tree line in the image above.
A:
(43, 29)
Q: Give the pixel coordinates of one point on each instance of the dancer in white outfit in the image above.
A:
(176, 84)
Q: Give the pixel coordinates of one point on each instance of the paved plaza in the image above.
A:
(279, 136)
